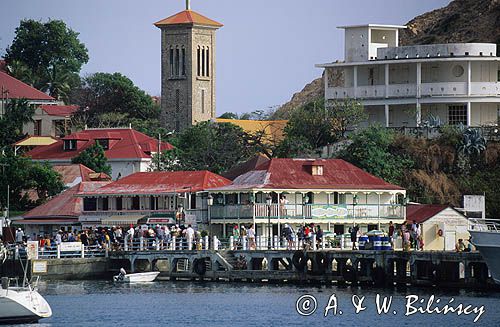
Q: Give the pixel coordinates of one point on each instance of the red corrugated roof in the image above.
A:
(56, 110)
(423, 212)
(124, 144)
(188, 17)
(15, 89)
(296, 174)
(65, 204)
(163, 182)
(74, 174)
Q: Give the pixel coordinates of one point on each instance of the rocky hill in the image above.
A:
(460, 21)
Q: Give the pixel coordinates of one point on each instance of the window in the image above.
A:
(183, 62)
(69, 145)
(119, 203)
(153, 203)
(89, 204)
(203, 62)
(498, 77)
(104, 143)
(177, 62)
(207, 54)
(171, 62)
(457, 114)
(177, 100)
(202, 101)
(317, 170)
(37, 130)
(193, 201)
(136, 203)
(198, 62)
(105, 204)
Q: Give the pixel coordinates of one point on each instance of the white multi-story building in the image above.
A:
(405, 85)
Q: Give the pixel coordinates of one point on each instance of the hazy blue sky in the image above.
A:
(265, 52)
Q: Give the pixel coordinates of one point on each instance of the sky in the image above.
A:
(266, 50)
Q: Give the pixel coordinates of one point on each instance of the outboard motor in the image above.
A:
(5, 283)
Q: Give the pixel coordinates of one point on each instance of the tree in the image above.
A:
(346, 114)
(229, 115)
(94, 158)
(371, 151)
(47, 56)
(17, 113)
(103, 94)
(22, 174)
(210, 146)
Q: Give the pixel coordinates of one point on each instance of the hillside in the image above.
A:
(460, 21)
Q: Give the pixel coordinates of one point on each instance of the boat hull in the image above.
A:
(488, 244)
(22, 306)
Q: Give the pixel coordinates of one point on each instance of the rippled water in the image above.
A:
(98, 303)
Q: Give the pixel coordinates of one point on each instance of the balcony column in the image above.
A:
(469, 114)
(419, 80)
(386, 78)
(279, 215)
(355, 81)
(469, 73)
(418, 114)
(386, 109)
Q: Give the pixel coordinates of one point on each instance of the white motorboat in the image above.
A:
(486, 238)
(146, 277)
(21, 304)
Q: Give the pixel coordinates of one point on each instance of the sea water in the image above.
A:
(101, 303)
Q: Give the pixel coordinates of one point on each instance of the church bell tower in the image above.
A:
(187, 69)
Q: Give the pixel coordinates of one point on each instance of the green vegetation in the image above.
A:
(93, 157)
(17, 113)
(47, 56)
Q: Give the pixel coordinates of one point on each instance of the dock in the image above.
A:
(379, 268)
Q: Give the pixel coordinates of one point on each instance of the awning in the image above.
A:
(121, 220)
(36, 140)
(46, 222)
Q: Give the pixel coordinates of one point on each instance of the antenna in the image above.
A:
(188, 4)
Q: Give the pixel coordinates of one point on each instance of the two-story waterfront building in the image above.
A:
(152, 197)
(331, 193)
(407, 85)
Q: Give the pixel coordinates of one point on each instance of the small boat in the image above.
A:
(146, 277)
(21, 304)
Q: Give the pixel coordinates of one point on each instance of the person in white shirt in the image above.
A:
(19, 235)
(130, 236)
(59, 237)
(190, 236)
(251, 238)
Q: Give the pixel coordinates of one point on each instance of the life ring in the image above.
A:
(349, 273)
(378, 276)
(199, 266)
(440, 233)
(299, 260)
(436, 274)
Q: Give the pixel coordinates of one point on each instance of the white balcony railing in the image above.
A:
(449, 89)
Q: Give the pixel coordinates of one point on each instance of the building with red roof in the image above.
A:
(157, 196)
(441, 226)
(60, 212)
(328, 192)
(127, 150)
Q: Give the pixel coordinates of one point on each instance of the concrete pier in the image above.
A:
(438, 268)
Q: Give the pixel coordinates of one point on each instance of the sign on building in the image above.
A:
(71, 246)
(32, 250)
(325, 211)
(475, 203)
(39, 267)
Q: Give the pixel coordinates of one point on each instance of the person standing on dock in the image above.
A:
(391, 233)
(354, 236)
(251, 238)
(190, 237)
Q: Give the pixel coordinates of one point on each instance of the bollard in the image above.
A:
(244, 243)
(207, 245)
(216, 243)
(231, 243)
(314, 242)
(83, 251)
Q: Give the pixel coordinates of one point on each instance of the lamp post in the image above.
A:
(269, 201)
(210, 202)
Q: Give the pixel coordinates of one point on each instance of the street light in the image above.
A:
(210, 202)
(269, 201)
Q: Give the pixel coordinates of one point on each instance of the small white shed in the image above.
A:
(442, 226)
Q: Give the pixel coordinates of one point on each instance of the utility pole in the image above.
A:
(159, 152)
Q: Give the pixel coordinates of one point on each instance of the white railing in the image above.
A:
(491, 89)
(401, 90)
(484, 225)
(372, 91)
(339, 92)
(444, 89)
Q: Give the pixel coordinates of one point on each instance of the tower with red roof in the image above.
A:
(188, 68)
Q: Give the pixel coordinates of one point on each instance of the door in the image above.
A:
(449, 241)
